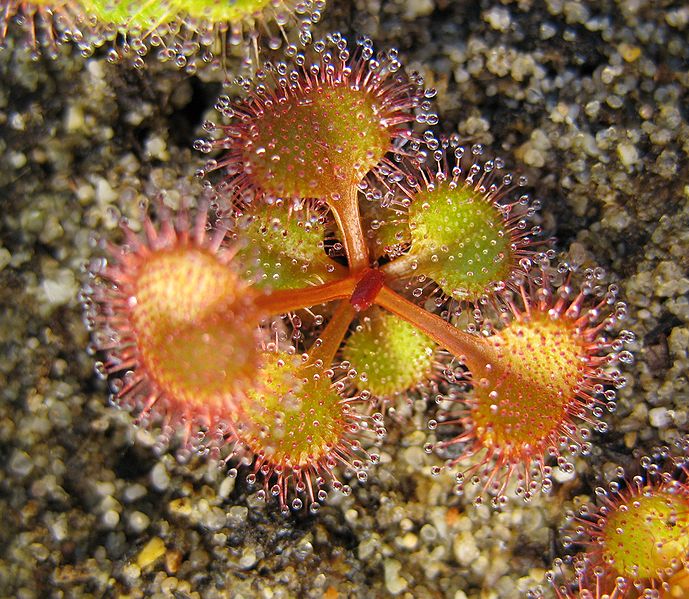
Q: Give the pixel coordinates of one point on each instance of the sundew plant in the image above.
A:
(186, 33)
(355, 257)
(305, 284)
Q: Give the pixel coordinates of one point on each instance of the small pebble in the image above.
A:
(20, 464)
(151, 552)
(394, 583)
(159, 477)
(138, 522)
(248, 559)
(659, 417)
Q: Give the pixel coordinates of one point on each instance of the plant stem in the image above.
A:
(279, 302)
(346, 211)
(323, 350)
(470, 350)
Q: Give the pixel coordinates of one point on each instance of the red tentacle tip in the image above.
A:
(366, 290)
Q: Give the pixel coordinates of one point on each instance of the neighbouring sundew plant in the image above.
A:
(635, 538)
(346, 250)
(177, 31)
